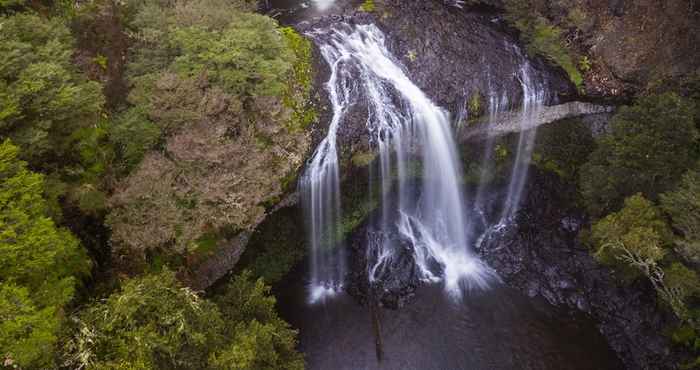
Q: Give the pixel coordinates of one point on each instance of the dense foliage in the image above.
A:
(642, 159)
(40, 265)
(683, 205)
(224, 99)
(49, 109)
(648, 148)
(154, 322)
(212, 130)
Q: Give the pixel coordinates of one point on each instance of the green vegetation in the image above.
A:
(368, 6)
(200, 78)
(298, 91)
(642, 159)
(543, 38)
(47, 108)
(151, 182)
(649, 147)
(475, 105)
(563, 148)
(634, 239)
(40, 266)
(154, 322)
(683, 205)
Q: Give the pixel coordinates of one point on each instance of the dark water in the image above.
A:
(495, 329)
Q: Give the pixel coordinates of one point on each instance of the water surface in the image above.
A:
(495, 329)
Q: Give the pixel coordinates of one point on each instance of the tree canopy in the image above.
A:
(154, 322)
(40, 265)
(649, 147)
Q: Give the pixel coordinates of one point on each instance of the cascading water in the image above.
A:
(407, 130)
(534, 98)
(320, 189)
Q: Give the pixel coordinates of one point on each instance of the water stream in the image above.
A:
(408, 131)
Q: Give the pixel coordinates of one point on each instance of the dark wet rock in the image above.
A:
(452, 53)
(538, 253)
(396, 281)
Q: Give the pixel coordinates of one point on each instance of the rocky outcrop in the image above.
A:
(538, 253)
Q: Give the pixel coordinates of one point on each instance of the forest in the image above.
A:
(149, 149)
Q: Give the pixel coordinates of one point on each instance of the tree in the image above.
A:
(40, 264)
(261, 340)
(151, 323)
(632, 239)
(44, 99)
(154, 322)
(635, 240)
(683, 205)
(224, 97)
(649, 147)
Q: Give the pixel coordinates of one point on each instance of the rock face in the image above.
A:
(539, 254)
(455, 56)
(396, 284)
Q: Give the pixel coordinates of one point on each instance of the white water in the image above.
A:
(407, 130)
(534, 97)
(320, 190)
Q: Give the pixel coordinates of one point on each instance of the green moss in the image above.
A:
(543, 38)
(368, 6)
(354, 218)
(362, 159)
(297, 96)
(101, 61)
(475, 105)
(206, 244)
(546, 40)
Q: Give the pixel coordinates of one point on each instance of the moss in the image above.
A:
(101, 61)
(475, 105)
(356, 216)
(206, 244)
(297, 95)
(362, 159)
(543, 38)
(368, 6)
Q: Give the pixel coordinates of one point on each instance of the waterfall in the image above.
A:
(407, 131)
(320, 189)
(534, 98)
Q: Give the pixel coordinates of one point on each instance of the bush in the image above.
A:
(648, 148)
(226, 99)
(151, 323)
(563, 147)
